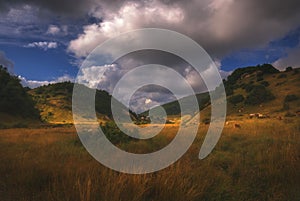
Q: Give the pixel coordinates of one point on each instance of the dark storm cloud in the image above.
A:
(61, 7)
(220, 26)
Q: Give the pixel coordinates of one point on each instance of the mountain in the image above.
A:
(15, 103)
(54, 101)
(254, 89)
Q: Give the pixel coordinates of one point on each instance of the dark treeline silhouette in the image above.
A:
(14, 99)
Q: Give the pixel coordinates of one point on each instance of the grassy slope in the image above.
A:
(54, 102)
(280, 87)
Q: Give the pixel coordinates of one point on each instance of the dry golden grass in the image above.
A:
(259, 161)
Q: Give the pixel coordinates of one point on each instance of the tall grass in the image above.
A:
(259, 161)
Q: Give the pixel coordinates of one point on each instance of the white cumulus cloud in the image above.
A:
(36, 83)
(53, 30)
(42, 45)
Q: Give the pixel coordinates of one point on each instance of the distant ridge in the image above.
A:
(252, 89)
(54, 101)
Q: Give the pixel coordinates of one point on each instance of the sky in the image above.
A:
(44, 41)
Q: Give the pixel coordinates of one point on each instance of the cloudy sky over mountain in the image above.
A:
(45, 41)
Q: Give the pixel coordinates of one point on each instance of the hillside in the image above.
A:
(255, 89)
(275, 94)
(54, 101)
(16, 106)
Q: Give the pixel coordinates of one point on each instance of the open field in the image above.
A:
(259, 161)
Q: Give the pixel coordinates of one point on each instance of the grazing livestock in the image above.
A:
(258, 115)
(237, 126)
(252, 115)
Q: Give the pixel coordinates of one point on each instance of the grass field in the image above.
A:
(259, 161)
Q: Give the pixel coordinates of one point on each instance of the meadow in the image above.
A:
(258, 162)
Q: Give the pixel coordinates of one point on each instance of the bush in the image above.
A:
(236, 99)
(282, 76)
(228, 90)
(290, 98)
(289, 69)
(20, 125)
(286, 106)
(265, 83)
(259, 78)
(114, 134)
(288, 114)
(248, 87)
(258, 95)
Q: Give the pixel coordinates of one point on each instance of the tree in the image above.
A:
(289, 69)
(14, 98)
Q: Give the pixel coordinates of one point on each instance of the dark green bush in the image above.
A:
(289, 69)
(282, 76)
(290, 98)
(114, 134)
(258, 95)
(248, 87)
(288, 114)
(286, 106)
(236, 99)
(229, 90)
(259, 78)
(265, 83)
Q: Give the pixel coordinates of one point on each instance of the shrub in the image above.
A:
(288, 114)
(2, 126)
(258, 95)
(229, 90)
(282, 76)
(236, 99)
(286, 106)
(20, 125)
(259, 78)
(114, 134)
(289, 69)
(290, 98)
(248, 87)
(265, 83)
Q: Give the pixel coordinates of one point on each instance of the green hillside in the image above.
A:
(16, 105)
(275, 94)
(255, 89)
(54, 101)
